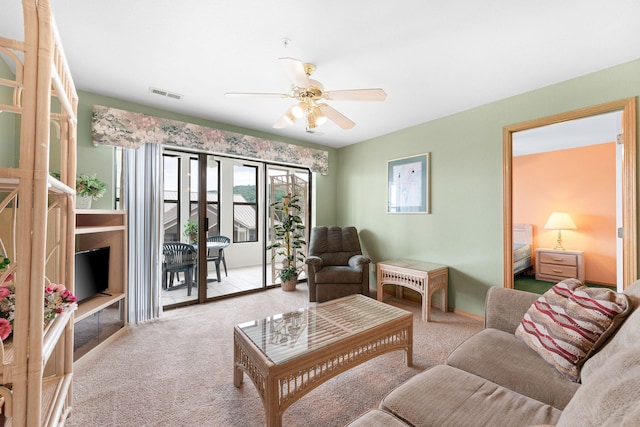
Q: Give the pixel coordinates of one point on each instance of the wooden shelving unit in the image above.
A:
(96, 229)
(37, 218)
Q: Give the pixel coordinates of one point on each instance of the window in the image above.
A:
(245, 203)
(171, 198)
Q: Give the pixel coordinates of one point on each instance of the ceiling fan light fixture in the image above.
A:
(315, 117)
(320, 118)
(298, 110)
(311, 120)
(285, 121)
(289, 118)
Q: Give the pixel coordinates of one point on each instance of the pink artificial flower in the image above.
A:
(68, 296)
(53, 287)
(5, 329)
(4, 292)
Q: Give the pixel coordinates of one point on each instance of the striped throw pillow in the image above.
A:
(570, 322)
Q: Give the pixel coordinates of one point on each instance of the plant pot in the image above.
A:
(290, 285)
(83, 202)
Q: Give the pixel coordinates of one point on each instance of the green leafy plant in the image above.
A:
(87, 185)
(90, 186)
(191, 230)
(288, 236)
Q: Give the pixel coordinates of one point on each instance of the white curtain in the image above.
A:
(142, 197)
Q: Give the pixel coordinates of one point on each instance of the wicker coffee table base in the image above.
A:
(280, 385)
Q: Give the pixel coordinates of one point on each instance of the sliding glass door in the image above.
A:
(226, 201)
(283, 181)
(181, 226)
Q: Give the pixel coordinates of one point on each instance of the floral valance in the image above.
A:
(127, 129)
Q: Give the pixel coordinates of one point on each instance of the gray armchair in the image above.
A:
(336, 266)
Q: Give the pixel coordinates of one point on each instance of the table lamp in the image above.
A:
(560, 221)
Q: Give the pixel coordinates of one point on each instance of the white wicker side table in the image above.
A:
(426, 278)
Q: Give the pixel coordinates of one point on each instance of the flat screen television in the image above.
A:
(91, 272)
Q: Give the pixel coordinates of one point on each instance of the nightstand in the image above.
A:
(554, 265)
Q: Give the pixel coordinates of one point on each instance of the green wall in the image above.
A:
(9, 123)
(464, 230)
(101, 160)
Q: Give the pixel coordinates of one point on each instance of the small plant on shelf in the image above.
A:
(87, 185)
(90, 186)
(288, 239)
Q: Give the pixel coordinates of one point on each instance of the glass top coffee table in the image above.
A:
(287, 355)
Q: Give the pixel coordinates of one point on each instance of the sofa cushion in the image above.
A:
(610, 397)
(446, 396)
(504, 359)
(378, 418)
(570, 321)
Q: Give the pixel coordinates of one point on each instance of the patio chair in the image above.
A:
(336, 266)
(215, 252)
(178, 258)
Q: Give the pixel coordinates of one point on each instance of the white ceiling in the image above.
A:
(432, 57)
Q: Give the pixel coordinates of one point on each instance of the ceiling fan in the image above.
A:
(311, 94)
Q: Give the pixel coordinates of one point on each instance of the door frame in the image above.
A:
(629, 189)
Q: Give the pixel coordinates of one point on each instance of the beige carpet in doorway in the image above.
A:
(177, 371)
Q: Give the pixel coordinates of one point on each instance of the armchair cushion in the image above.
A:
(338, 274)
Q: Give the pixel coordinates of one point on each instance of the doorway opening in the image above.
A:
(621, 218)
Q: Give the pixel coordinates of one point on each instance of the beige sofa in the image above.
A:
(495, 379)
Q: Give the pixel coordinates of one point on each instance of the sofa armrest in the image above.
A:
(505, 308)
(358, 261)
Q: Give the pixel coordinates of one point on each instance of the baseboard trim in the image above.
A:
(413, 296)
(469, 315)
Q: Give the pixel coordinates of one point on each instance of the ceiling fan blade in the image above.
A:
(295, 70)
(356, 95)
(256, 95)
(337, 117)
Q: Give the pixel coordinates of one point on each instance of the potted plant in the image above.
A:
(288, 240)
(191, 231)
(88, 188)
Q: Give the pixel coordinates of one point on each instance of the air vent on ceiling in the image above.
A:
(165, 93)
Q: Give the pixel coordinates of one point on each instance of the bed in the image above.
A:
(522, 248)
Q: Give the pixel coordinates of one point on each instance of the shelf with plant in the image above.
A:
(90, 186)
(288, 239)
(87, 186)
(58, 300)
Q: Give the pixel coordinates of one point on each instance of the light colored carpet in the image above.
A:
(177, 371)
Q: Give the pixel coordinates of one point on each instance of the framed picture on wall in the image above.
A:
(408, 185)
